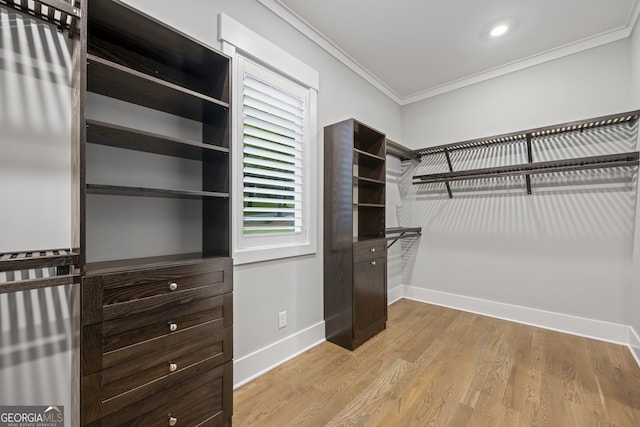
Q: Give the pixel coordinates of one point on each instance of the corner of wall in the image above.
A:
(634, 345)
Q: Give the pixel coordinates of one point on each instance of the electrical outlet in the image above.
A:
(282, 319)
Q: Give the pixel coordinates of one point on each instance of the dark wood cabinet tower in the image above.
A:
(355, 258)
(154, 221)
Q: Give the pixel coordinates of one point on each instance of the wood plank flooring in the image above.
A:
(435, 366)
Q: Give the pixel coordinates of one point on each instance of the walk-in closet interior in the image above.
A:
(218, 212)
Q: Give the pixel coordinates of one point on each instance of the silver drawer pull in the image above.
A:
(372, 249)
(373, 263)
(173, 286)
(173, 367)
(172, 420)
(173, 326)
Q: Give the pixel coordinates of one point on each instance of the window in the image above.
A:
(273, 151)
(274, 148)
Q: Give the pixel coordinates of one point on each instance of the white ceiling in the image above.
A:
(413, 49)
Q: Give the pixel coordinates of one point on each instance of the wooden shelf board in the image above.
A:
(400, 151)
(369, 205)
(367, 155)
(122, 137)
(118, 190)
(116, 81)
(362, 179)
(114, 266)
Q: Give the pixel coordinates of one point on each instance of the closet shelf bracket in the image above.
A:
(396, 233)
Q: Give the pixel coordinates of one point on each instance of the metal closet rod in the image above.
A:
(527, 169)
(532, 133)
(582, 163)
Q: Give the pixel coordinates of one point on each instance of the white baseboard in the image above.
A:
(261, 361)
(634, 344)
(395, 294)
(574, 325)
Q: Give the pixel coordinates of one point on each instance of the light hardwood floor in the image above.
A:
(435, 366)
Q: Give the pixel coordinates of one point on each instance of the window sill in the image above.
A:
(272, 253)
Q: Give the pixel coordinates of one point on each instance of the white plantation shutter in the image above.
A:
(273, 167)
(274, 150)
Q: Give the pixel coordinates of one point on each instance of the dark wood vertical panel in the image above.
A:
(78, 197)
(91, 408)
(227, 392)
(92, 291)
(91, 349)
(338, 232)
(78, 138)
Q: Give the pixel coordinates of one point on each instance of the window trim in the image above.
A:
(242, 44)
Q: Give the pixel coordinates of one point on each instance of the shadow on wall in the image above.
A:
(581, 205)
(33, 52)
(35, 345)
(35, 123)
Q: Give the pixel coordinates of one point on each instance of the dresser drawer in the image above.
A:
(369, 249)
(199, 394)
(125, 335)
(106, 296)
(170, 360)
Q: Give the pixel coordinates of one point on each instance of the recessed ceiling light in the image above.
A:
(499, 30)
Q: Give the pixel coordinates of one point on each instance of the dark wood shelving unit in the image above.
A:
(118, 190)
(60, 265)
(157, 321)
(355, 260)
(529, 138)
(134, 58)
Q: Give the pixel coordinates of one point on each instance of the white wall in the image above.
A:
(587, 84)
(35, 123)
(566, 248)
(635, 67)
(394, 204)
(634, 294)
(262, 290)
(35, 208)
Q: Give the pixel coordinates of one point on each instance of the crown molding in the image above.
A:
(521, 64)
(299, 23)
